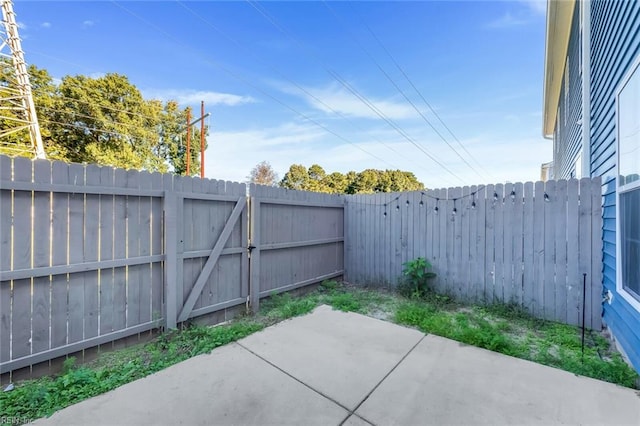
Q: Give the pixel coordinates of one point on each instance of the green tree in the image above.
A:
(296, 178)
(102, 120)
(336, 183)
(367, 181)
(263, 174)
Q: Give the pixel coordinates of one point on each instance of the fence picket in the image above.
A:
(498, 273)
(528, 280)
(106, 242)
(539, 249)
(22, 226)
(560, 258)
(60, 234)
(574, 282)
(76, 255)
(489, 255)
(518, 243)
(91, 247)
(6, 165)
(478, 244)
(120, 252)
(550, 209)
(508, 234)
(41, 251)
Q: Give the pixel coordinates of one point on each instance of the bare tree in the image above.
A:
(263, 174)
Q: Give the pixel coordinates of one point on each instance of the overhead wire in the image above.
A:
(255, 87)
(354, 91)
(419, 93)
(291, 81)
(399, 89)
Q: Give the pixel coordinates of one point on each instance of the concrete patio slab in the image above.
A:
(354, 420)
(305, 371)
(230, 386)
(445, 382)
(340, 354)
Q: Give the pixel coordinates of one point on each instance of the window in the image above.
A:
(628, 235)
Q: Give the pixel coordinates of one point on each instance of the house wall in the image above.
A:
(568, 130)
(615, 43)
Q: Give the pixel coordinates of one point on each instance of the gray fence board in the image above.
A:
(120, 252)
(518, 243)
(522, 248)
(21, 309)
(6, 220)
(41, 285)
(550, 214)
(561, 252)
(489, 257)
(574, 288)
(528, 278)
(91, 248)
(507, 266)
(106, 275)
(75, 325)
(595, 281)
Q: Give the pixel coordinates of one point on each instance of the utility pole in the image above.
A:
(189, 125)
(188, 141)
(202, 141)
(20, 99)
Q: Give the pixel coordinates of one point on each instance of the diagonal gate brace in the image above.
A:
(211, 261)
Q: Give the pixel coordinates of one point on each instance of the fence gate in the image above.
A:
(208, 270)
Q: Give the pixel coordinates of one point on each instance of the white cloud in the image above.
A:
(46, 25)
(508, 21)
(87, 24)
(21, 25)
(232, 154)
(537, 6)
(191, 97)
(337, 98)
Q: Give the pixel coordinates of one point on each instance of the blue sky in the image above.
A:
(279, 79)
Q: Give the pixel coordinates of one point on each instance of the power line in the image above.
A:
(104, 120)
(257, 88)
(350, 88)
(93, 129)
(392, 81)
(282, 75)
(406, 76)
(57, 95)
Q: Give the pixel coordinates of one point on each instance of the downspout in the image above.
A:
(585, 15)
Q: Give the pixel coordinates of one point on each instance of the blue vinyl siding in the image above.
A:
(568, 132)
(615, 44)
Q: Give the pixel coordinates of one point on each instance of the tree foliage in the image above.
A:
(263, 174)
(367, 181)
(106, 121)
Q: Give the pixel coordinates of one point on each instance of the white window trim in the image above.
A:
(635, 303)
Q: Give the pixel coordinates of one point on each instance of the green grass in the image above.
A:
(502, 328)
(42, 397)
(510, 331)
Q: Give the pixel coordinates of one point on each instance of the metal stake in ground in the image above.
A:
(584, 300)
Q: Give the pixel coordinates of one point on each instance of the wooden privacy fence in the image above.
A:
(90, 255)
(527, 244)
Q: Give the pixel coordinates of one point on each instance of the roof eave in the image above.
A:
(559, 17)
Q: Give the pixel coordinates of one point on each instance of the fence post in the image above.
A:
(171, 259)
(254, 261)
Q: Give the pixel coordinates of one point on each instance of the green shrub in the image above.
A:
(415, 278)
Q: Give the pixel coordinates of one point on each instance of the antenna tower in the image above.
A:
(16, 100)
